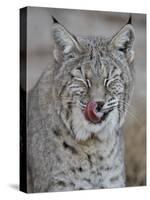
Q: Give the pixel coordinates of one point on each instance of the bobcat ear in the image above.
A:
(65, 42)
(124, 40)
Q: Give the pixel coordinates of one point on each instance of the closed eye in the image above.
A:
(81, 80)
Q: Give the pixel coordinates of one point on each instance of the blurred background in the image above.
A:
(39, 56)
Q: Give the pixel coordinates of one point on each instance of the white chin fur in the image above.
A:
(84, 129)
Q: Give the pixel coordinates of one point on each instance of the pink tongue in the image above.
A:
(91, 114)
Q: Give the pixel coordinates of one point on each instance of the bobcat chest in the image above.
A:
(78, 165)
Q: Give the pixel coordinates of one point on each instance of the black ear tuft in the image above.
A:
(130, 20)
(55, 20)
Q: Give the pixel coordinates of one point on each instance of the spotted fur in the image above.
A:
(66, 151)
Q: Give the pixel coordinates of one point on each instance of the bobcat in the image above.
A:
(76, 111)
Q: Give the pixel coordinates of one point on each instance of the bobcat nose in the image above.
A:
(99, 105)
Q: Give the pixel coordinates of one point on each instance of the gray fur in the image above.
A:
(65, 151)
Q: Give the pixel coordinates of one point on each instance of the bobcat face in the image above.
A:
(94, 79)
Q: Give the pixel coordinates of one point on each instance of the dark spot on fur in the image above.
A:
(73, 170)
(71, 148)
(67, 114)
(108, 168)
(89, 159)
(115, 178)
(80, 169)
(72, 184)
(81, 188)
(87, 179)
(61, 183)
(91, 55)
(100, 174)
(118, 132)
(69, 105)
(56, 132)
(101, 158)
(58, 159)
(102, 167)
(112, 150)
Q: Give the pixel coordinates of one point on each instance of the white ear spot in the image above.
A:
(124, 38)
(57, 55)
(65, 42)
(130, 56)
(67, 49)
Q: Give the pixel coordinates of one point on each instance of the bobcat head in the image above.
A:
(93, 80)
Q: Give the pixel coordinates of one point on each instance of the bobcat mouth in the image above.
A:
(94, 113)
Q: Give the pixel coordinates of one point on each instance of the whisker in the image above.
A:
(131, 115)
(111, 104)
(125, 103)
(128, 106)
(108, 109)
